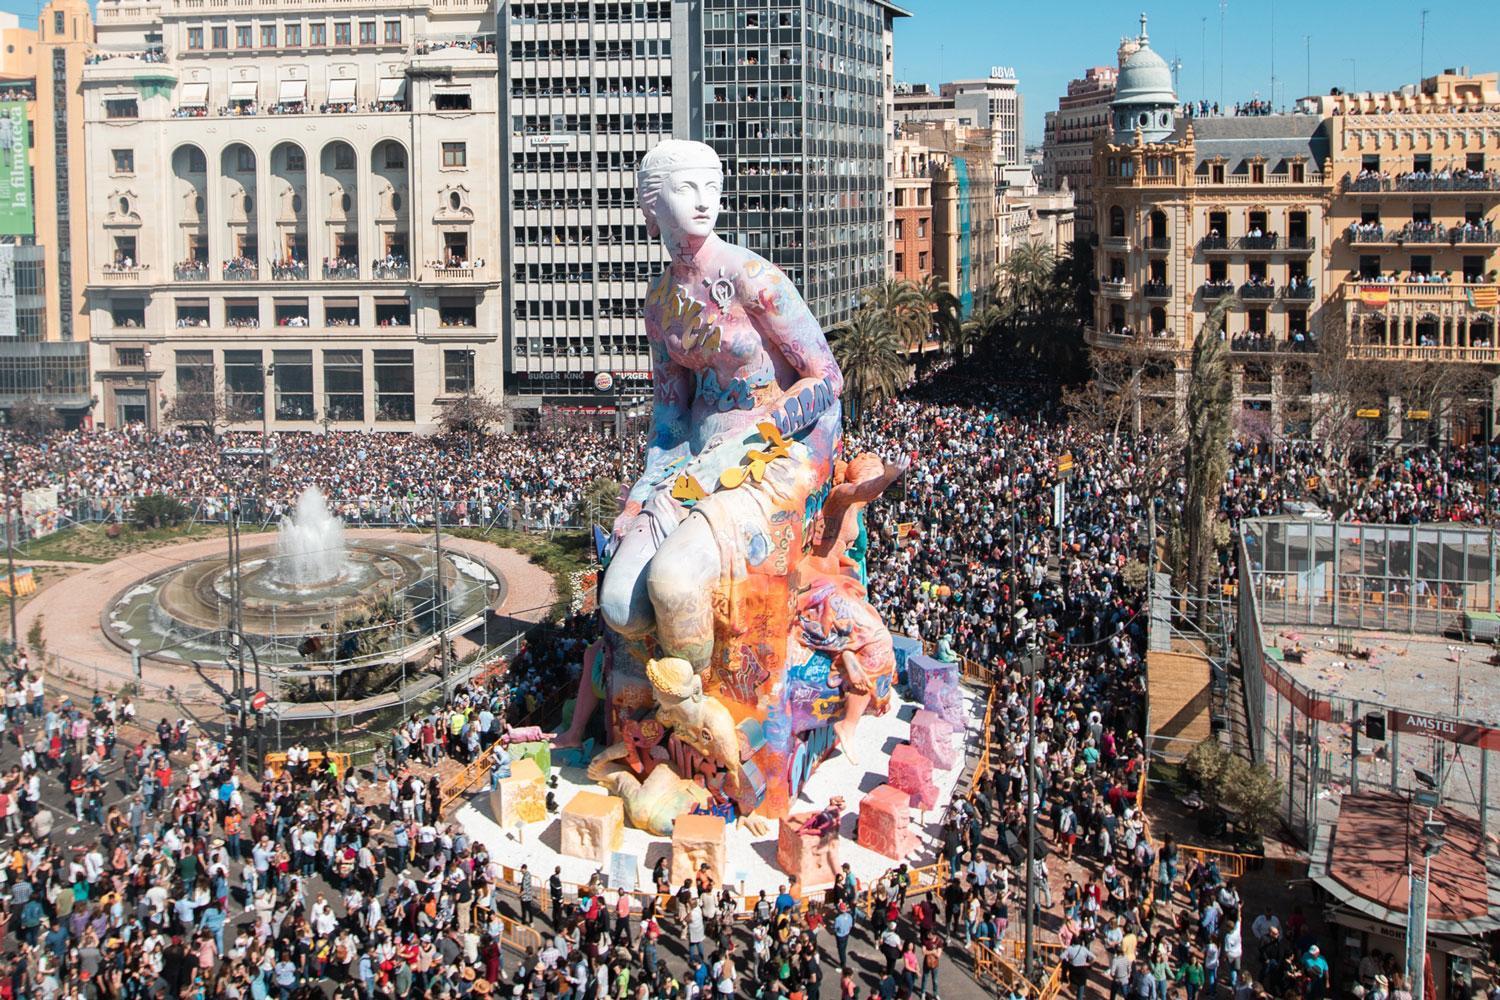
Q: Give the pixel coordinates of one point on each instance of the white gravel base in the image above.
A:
(752, 863)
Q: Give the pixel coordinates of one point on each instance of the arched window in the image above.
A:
(1116, 221)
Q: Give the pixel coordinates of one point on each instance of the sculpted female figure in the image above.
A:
(733, 347)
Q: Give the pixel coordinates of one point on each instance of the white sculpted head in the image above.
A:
(679, 184)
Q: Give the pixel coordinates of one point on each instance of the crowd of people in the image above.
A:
(209, 884)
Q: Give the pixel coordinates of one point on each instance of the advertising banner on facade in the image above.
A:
(7, 290)
(16, 216)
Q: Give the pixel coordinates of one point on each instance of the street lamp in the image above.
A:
(265, 430)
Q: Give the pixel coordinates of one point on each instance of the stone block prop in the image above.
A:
(905, 647)
(540, 751)
(911, 771)
(521, 798)
(923, 673)
(947, 702)
(885, 823)
(593, 826)
(932, 735)
(697, 840)
(812, 859)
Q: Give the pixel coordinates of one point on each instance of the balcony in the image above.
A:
(1460, 182)
(1114, 288)
(1375, 294)
(1116, 244)
(1214, 244)
(1414, 352)
(1161, 340)
(1158, 243)
(1156, 290)
(1265, 343)
(192, 270)
(240, 269)
(341, 271)
(117, 274)
(453, 273)
(1250, 292)
(293, 270)
(390, 271)
(1299, 293)
(1212, 290)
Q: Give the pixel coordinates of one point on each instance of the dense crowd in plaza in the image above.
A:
(204, 883)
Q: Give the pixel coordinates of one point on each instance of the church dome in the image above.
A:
(1145, 78)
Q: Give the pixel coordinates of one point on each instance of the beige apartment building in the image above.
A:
(293, 212)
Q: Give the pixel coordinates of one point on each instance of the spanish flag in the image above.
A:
(905, 528)
(1374, 296)
(1483, 297)
(21, 584)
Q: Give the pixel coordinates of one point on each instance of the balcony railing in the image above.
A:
(1413, 352)
(1114, 289)
(240, 270)
(1303, 292)
(1258, 243)
(116, 274)
(1157, 290)
(390, 272)
(1158, 242)
(453, 273)
(1216, 289)
(1162, 340)
(1377, 293)
(1118, 244)
(340, 272)
(292, 271)
(194, 271)
(1213, 243)
(1265, 343)
(1249, 291)
(1461, 182)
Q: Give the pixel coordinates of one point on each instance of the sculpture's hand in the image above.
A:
(625, 519)
(603, 764)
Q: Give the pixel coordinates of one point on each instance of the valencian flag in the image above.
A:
(1374, 296)
(20, 584)
(1485, 297)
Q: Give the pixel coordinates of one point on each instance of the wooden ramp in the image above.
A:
(1178, 693)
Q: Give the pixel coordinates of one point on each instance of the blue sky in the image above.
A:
(1050, 43)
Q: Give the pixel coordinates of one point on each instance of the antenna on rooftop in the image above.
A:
(1176, 69)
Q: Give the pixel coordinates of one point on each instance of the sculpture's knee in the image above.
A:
(623, 601)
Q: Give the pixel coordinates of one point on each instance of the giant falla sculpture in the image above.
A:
(740, 648)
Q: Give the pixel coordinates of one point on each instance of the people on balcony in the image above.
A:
(289, 269)
(1366, 232)
(240, 269)
(191, 269)
(392, 265)
(340, 267)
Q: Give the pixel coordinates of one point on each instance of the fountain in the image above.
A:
(310, 548)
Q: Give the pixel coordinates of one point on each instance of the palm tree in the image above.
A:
(980, 325)
(871, 355)
(1206, 455)
(1027, 277)
(943, 306)
(901, 307)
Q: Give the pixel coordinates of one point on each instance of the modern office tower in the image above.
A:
(795, 95)
(590, 87)
(293, 211)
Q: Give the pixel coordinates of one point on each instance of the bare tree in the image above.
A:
(473, 413)
(1127, 383)
(29, 418)
(1341, 385)
(209, 407)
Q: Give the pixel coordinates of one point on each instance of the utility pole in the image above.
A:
(10, 548)
(1223, 8)
(439, 599)
(1307, 51)
(237, 618)
(1033, 803)
(1273, 55)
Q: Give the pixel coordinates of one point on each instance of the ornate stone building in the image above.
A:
(293, 211)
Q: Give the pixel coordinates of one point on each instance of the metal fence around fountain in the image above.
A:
(477, 513)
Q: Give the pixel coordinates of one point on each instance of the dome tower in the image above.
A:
(1145, 100)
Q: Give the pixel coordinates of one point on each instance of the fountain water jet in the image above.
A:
(310, 547)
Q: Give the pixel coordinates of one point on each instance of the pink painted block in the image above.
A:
(947, 702)
(911, 772)
(814, 860)
(885, 823)
(933, 736)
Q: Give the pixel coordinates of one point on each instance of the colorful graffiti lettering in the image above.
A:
(743, 683)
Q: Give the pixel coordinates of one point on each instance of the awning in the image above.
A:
(341, 303)
(341, 91)
(242, 90)
(194, 95)
(292, 92)
(392, 88)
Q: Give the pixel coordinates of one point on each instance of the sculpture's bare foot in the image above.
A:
(755, 826)
(844, 730)
(604, 762)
